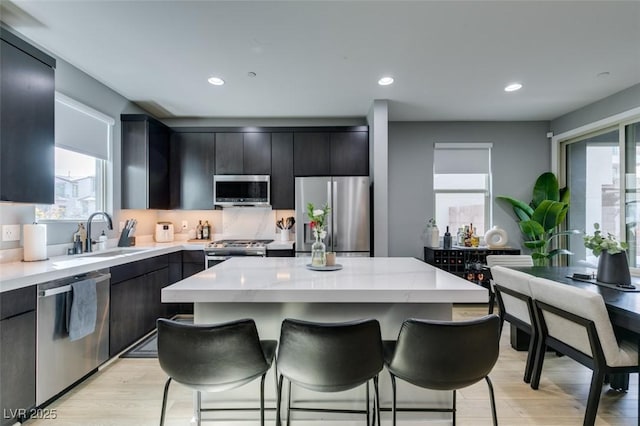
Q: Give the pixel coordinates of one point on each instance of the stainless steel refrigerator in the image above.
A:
(348, 230)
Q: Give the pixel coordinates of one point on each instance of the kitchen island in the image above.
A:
(271, 289)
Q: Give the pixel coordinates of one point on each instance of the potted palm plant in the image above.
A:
(540, 219)
(613, 265)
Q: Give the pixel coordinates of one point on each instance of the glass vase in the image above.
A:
(318, 253)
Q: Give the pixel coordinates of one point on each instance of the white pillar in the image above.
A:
(377, 119)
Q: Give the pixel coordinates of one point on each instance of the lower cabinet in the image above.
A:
(136, 300)
(17, 354)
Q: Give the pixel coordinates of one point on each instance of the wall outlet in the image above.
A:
(10, 232)
(185, 224)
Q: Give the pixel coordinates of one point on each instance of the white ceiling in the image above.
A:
(450, 59)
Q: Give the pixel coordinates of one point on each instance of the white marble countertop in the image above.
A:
(362, 280)
(14, 275)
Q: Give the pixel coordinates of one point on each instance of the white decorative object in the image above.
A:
(284, 235)
(435, 237)
(496, 237)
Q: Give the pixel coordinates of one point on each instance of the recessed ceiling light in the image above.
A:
(251, 74)
(385, 81)
(216, 81)
(603, 74)
(513, 87)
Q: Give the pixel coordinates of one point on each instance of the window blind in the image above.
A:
(81, 129)
(462, 158)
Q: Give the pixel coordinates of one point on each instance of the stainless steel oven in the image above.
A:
(219, 251)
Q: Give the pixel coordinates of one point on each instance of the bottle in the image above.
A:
(77, 244)
(467, 235)
(460, 237)
(475, 240)
(446, 240)
(435, 236)
(102, 241)
(199, 230)
(83, 235)
(206, 229)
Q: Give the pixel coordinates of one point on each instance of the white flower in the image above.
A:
(323, 234)
(318, 212)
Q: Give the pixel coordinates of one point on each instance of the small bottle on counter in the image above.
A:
(102, 241)
(446, 240)
(199, 230)
(206, 230)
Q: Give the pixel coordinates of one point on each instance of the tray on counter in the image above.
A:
(335, 267)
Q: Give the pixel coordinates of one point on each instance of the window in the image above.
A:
(83, 139)
(462, 185)
(601, 169)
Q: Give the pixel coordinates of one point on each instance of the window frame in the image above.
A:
(617, 122)
(487, 191)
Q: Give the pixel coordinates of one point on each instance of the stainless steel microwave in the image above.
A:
(241, 190)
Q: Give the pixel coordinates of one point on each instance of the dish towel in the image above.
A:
(84, 309)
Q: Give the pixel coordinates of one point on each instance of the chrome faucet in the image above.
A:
(109, 225)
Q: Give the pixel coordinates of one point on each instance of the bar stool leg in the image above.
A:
(377, 398)
(368, 400)
(164, 401)
(262, 399)
(393, 404)
(289, 403)
(278, 400)
(454, 407)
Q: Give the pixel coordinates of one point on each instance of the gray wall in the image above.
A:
(80, 86)
(611, 105)
(521, 152)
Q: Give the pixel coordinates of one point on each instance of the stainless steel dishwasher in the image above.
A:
(61, 362)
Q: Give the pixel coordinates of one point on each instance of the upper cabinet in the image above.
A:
(282, 180)
(350, 154)
(243, 153)
(257, 154)
(337, 153)
(27, 141)
(194, 156)
(145, 163)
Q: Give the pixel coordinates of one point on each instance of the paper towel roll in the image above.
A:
(35, 242)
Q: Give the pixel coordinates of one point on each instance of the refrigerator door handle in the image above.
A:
(329, 240)
(334, 214)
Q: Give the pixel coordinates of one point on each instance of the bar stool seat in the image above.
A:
(213, 358)
(329, 357)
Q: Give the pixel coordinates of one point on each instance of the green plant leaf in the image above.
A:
(546, 188)
(532, 229)
(549, 213)
(556, 252)
(539, 255)
(515, 203)
(565, 195)
(535, 244)
(522, 215)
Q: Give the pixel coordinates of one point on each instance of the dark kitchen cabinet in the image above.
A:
(350, 154)
(243, 153)
(17, 353)
(136, 300)
(27, 142)
(229, 154)
(282, 179)
(311, 154)
(145, 163)
(192, 262)
(194, 167)
(256, 154)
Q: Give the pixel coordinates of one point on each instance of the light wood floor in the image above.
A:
(129, 392)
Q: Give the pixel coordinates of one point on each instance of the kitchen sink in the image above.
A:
(112, 253)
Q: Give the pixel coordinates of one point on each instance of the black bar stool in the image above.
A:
(444, 355)
(213, 358)
(329, 357)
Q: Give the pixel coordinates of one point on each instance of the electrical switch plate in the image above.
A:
(185, 224)
(10, 232)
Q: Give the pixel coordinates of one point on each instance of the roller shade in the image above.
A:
(462, 158)
(81, 129)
